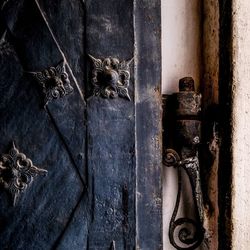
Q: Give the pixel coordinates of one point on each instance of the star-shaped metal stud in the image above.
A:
(17, 172)
(54, 81)
(110, 77)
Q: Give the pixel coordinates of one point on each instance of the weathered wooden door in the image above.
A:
(80, 124)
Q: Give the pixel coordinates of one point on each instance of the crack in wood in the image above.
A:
(125, 210)
(59, 239)
(112, 247)
(66, 147)
(61, 51)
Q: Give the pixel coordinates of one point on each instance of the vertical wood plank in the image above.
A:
(148, 124)
(111, 131)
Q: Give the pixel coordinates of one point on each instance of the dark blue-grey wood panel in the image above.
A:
(54, 211)
(103, 155)
(148, 123)
(44, 210)
(124, 138)
(111, 131)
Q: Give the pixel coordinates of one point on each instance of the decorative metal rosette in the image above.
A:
(54, 81)
(110, 77)
(17, 172)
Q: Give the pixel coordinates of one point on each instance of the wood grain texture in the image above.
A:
(210, 103)
(103, 156)
(148, 124)
(56, 137)
(111, 131)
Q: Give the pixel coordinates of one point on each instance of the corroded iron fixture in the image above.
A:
(181, 152)
(110, 77)
(17, 172)
(54, 82)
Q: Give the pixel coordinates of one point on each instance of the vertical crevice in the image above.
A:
(125, 210)
(225, 99)
(93, 198)
(135, 128)
(112, 247)
(89, 172)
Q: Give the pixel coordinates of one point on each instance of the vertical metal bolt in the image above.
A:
(186, 84)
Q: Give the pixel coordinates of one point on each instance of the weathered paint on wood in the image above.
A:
(111, 133)
(103, 156)
(53, 138)
(148, 124)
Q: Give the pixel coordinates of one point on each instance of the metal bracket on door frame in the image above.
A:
(185, 233)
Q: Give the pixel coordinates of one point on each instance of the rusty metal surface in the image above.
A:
(181, 152)
(17, 172)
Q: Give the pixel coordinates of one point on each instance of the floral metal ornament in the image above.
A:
(54, 81)
(17, 172)
(110, 77)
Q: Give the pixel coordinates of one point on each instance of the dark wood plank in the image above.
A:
(54, 209)
(66, 19)
(44, 209)
(32, 41)
(122, 152)
(37, 50)
(111, 134)
(148, 124)
(111, 171)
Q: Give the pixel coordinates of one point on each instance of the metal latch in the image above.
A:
(182, 129)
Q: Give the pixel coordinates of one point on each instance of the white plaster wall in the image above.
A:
(241, 121)
(181, 56)
(181, 42)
